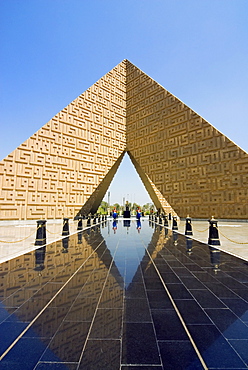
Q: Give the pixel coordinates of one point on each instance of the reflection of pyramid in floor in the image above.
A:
(69, 163)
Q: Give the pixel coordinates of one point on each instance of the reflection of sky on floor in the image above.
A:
(109, 297)
(132, 240)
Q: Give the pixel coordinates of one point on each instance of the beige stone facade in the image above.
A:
(197, 169)
(67, 166)
(57, 169)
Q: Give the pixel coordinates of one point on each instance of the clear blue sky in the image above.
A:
(53, 50)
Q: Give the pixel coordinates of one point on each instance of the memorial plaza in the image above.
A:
(80, 291)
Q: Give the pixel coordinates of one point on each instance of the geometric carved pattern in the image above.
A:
(66, 166)
(157, 198)
(195, 167)
(56, 170)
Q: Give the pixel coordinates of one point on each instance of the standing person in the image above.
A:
(114, 214)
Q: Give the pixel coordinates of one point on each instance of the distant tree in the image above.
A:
(104, 205)
(103, 208)
(147, 208)
(135, 206)
(116, 206)
(129, 205)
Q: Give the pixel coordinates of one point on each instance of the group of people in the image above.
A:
(138, 217)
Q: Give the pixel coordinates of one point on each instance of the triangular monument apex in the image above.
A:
(67, 165)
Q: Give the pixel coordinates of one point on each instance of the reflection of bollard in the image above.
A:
(65, 244)
(80, 234)
(155, 218)
(94, 220)
(188, 226)
(214, 258)
(65, 230)
(166, 221)
(175, 237)
(160, 220)
(213, 238)
(80, 223)
(174, 223)
(89, 221)
(40, 258)
(40, 233)
(189, 243)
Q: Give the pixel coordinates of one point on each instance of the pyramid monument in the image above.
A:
(66, 167)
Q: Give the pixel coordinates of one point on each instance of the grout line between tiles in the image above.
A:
(94, 316)
(179, 315)
(45, 307)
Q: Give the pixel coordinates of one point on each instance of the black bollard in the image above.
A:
(174, 223)
(166, 221)
(89, 221)
(99, 218)
(94, 220)
(40, 233)
(65, 230)
(80, 223)
(103, 217)
(213, 238)
(160, 220)
(188, 226)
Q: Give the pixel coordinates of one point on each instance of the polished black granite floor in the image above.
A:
(124, 298)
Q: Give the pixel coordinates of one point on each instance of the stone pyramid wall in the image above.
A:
(197, 169)
(68, 164)
(56, 170)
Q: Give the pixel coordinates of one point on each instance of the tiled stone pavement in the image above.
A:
(233, 235)
(18, 237)
(124, 299)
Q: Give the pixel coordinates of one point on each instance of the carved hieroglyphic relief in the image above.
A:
(197, 169)
(57, 169)
(67, 165)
